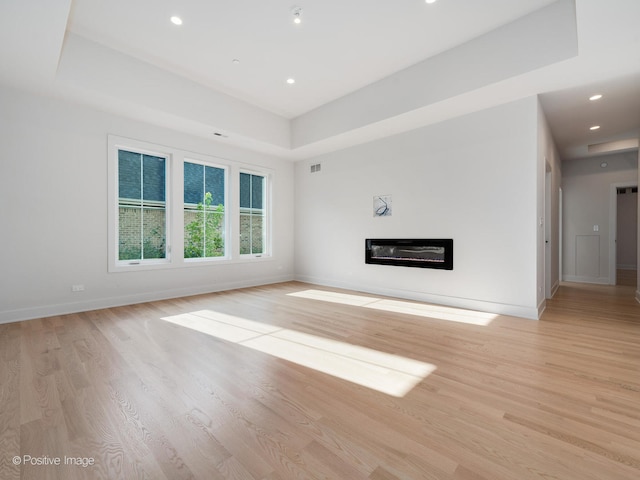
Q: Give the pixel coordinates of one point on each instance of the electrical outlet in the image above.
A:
(77, 288)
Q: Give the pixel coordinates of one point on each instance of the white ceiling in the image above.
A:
(571, 115)
(339, 48)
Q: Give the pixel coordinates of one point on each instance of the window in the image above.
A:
(204, 211)
(142, 213)
(253, 218)
(162, 197)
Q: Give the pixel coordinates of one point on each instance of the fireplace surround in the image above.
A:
(410, 252)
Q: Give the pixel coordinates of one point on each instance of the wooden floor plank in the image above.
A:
(9, 400)
(145, 397)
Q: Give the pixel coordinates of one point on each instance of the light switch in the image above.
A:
(596, 228)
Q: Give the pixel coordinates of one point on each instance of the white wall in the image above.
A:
(587, 202)
(472, 179)
(549, 170)
(93, 72)
(53, 212)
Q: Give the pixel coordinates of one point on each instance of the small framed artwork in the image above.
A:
(382, 206)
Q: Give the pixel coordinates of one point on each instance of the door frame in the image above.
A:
(548, 243)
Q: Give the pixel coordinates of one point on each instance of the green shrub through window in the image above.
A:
(204, 213)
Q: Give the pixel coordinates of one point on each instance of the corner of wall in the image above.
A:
(541, 308)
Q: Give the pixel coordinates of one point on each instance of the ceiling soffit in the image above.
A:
(537, 40)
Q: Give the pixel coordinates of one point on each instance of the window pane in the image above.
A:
(141, 202)
(252, 214)
(130, 247)
(129, 170)
(153, 232)
(204, 214)
(153, 178)
(256, 191)
(193, 181)
(245, 190)
(214, 183)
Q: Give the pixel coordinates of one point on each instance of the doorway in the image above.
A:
(624, 234)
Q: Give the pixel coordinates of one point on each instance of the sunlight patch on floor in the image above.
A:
(391, 374)
(439, 312)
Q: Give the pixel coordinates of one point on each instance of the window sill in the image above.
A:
(189, 263)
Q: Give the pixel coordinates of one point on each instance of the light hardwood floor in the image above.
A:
(143, 397)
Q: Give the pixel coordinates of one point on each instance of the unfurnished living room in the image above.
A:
(361, 239)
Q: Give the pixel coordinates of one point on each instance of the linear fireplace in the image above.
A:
(410, 252)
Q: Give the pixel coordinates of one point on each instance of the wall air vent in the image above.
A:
(315, 168)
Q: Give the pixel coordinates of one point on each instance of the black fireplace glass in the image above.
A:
(410, 252)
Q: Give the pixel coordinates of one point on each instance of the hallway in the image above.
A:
(583, 302)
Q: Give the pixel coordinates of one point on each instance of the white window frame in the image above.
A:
(266, 225)
(174, 207)
(197, 159)
(115, 146)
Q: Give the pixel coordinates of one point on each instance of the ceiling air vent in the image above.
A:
(315, 168)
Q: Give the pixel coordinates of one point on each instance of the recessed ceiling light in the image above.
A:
(604, 165)
(176, 20)
(595, 97)
(297, 14)
(291, 81)
(430, 1)
(235, 61)
(595, 127)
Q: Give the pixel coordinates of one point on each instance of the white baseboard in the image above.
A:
(581, 279)
(531, 313)
(541, 307)
(554, 288)
(9, 316)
